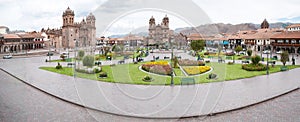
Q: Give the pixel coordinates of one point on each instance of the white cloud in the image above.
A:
(32, 15)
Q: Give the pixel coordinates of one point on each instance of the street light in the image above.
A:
(268, 63)
(172, 70)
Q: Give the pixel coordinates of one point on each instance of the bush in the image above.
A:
(147, 78)
(102, 74)
(186, 62)
(88, 61)
(63, 57)
(80, 53)
(58, 66)
(230, 63)
(249, 52)
(255, 59)
(252, 67)
(207, 61)
(206, 53)
(212, 76)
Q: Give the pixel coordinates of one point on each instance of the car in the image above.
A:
(242, 53)
(279, 52)
(8, 56)
(50, 54)
(266, 51)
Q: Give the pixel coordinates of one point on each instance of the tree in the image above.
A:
(63, 57)
(249, 52)
(88, 61)
(197, 45)
(255, 59)
(238, 49)
(284, 57)
(80, 53)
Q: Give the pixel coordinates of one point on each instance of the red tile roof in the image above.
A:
(287, 35)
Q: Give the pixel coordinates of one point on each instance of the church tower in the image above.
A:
(264, 24)
(165, 21)
(69, 29)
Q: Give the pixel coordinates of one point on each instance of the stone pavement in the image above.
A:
(153, 101)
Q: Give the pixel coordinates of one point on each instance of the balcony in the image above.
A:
(285, 44)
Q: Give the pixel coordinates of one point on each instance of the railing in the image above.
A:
(284, 44)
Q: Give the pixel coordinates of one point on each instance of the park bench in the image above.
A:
(221, 60)
(156, 58)
(178, 57)
(245, 62)
(121, 62)
(70, 64)
(140, 60)
(187, 81)
(166, 57)
(283, 68)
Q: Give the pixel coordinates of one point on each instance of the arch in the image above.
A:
(298, 50)
(5, 49)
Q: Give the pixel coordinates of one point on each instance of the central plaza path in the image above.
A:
(153, 101)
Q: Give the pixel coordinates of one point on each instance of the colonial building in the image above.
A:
(159, 34)
(295, 27)
(14, 43)
(84, 32)
(288, 40)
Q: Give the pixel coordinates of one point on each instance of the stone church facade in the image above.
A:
(83, 32)
(159, 34)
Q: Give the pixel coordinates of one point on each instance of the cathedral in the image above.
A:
(159, 34)
(83, 32)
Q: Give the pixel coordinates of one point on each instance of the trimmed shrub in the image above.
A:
(58, 66)
(255, 59)
(102, 74)
(212, 76)
(230, 63)
(80, 53)
(147, 78)
(249, 52)
(252, 67)
(88, 61)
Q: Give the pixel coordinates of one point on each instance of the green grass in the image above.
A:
(59, 60)
(178, 72)
(130, 74)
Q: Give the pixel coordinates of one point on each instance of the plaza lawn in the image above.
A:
(130, 74)
(60, 60)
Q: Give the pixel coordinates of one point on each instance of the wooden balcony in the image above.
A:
(285, 44)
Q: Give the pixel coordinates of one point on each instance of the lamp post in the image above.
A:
(267, 63)
(49, 51)
(75, 53)
(172, 70)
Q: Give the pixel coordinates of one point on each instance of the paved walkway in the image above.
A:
(153, 101)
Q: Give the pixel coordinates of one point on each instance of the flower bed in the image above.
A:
(186, 62)
(158, 67)
(252, 67)
(195, 70)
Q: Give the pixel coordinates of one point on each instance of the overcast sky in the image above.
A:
(30, 15)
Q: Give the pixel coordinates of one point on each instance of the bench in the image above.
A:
(245, 62)
(166, 57)
(121, 62)
(187, 81)
(283, 68)
(156, 58)
(178, 57)
(140, 60)
(221, 60)
(70, 64)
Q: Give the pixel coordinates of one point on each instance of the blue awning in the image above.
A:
(225, 42)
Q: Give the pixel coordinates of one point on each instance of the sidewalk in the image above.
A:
(154, 101)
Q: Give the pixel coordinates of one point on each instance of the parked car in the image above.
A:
(279, 52)
(50, 54)
(8, 56)
(242, 53)
(266, 51)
